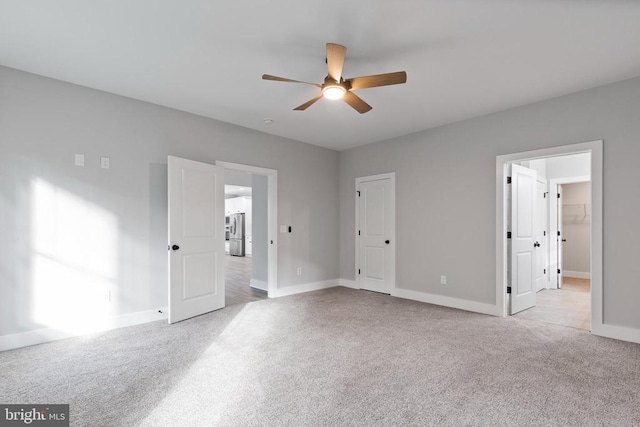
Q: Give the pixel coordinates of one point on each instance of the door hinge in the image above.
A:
(358, 232)
(508, 234)
(544, 195)
(508, 289)
(558, 271)
(358, 271)
(558, 195)
(544, 232)
(558, 233)
(358, 193)
(544, 271)
(508, 180)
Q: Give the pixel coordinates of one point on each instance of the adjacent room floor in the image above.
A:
(569, 306)
(333, 357)
(237, 281)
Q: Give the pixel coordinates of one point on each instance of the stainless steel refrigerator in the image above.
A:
(236, 234)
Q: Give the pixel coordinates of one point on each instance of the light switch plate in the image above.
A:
(104, 162)
(80, 160)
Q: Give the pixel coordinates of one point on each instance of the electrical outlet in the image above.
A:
(299, 271)
(106, 295)
(443, 280)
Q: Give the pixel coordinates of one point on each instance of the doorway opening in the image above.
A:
(549, 235)
(561, 213)
(250, 226)
(243, 282)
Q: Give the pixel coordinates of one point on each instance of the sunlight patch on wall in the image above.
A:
(74, 260)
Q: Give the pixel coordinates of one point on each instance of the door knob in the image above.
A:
(564, 240)
(387, 242)
(536, 245)
(175, 247)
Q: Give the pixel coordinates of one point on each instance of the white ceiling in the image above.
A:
(231, 191)
(463, 58)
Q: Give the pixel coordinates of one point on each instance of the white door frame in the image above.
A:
(272, 217)
(596, 150)
(392, 177)
(553, 222)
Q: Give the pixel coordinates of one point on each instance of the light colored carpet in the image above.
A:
(334, 357)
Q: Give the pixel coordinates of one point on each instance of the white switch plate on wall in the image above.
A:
(104, 162)
(80, 160)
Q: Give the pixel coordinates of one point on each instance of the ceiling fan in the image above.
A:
(336, 87)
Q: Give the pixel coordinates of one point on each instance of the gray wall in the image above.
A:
(260, 238)
(576, 227)
(571, 166)
(43, 122)
(445, 183)
(577, 165)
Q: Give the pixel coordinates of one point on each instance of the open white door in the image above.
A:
(196, 238)
(523, 243)
(560, 236)
(376, 233)
(541, 235)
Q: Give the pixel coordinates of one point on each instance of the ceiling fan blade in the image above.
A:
(282, 79)
(378, 80)
(307, 104)
(356, 102)
(335, 60)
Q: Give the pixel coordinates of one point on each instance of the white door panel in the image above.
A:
(196, 238)
(376, 239)
(523, 227)
(541, 235)
(197, 269)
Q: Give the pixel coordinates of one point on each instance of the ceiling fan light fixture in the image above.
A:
(333, 91)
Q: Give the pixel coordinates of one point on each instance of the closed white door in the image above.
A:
(541, 235)
(376, 234)
(560, 236)
(523, 228)
(196, 238)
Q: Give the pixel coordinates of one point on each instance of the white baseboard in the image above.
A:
(39, 336)
(349, 283)
(617, 332)
(259, 284)
(577, 274)
(305, 287)
(462, 304)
